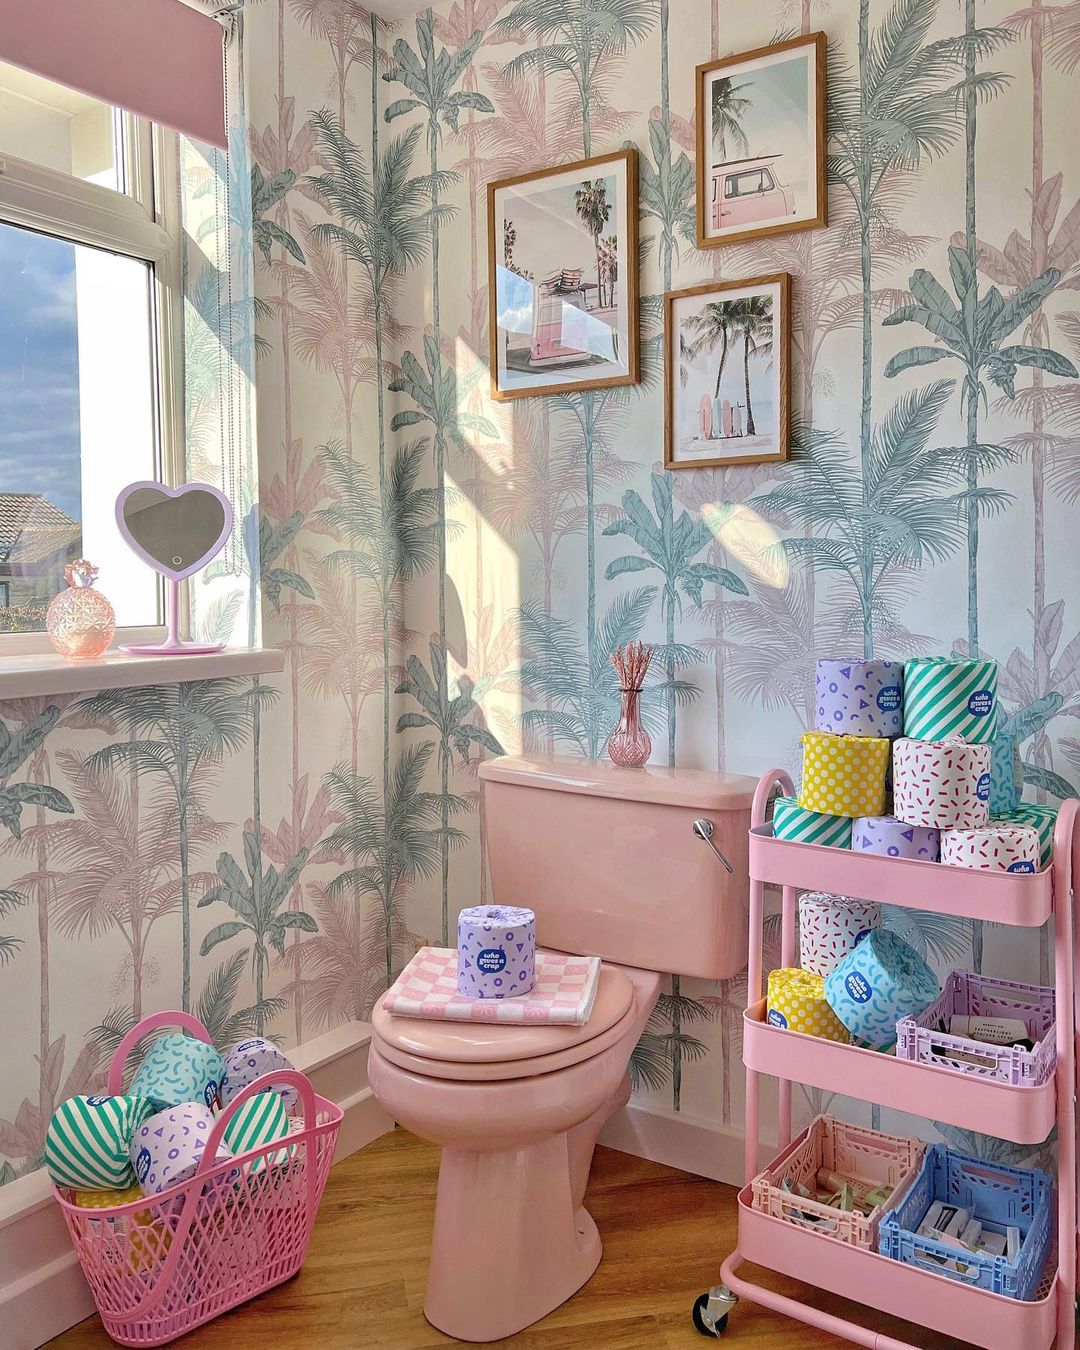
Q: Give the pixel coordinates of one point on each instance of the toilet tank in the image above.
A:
(609, 860)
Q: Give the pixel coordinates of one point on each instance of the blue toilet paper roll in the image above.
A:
(879, 981)
(178, 1069)
(496, 951)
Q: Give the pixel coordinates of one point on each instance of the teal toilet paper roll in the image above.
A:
(260, 1120)
(879, 981)
(179, 1069)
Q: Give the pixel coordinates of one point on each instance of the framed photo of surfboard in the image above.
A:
(761, 142)
(563, 278)
(727, 373)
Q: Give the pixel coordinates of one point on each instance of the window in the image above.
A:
(89, 268)
(747, 183)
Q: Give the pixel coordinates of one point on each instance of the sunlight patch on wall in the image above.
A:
(750, 540)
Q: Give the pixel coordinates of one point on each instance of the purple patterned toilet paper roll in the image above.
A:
(167, 1148)
(496, 951)
(895, 838)
(248, 1060)
(860, 698)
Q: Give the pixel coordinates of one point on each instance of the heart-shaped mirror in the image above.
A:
(175, 530)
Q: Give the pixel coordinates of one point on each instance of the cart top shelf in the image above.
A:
(1022, 899)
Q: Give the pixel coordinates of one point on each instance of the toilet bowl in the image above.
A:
(517, 1109)
(517, 1112)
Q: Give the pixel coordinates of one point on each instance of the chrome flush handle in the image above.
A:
(704, 829)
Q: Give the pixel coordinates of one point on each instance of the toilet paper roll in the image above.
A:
(860, 698)
(135, 1241)
(895, 838)
(1042, 819)
(945, 698)
(879, 981)
(941, 784)
(259, 1121)
(496, 951)
(791, 821)
(796, 1002)
(992, 848)
(88, 1141)
(829, 926)
(167, 1148)
(178, 1069)
(844, 775)
(247, 1060)
(1006, 776)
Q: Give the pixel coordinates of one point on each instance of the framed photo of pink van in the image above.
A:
(727, 373)
(563, 278)
(761, 149)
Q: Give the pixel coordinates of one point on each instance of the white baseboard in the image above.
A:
(692, 1143)
(42, 1291)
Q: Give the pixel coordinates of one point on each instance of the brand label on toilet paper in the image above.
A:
(777, 1018)
(861, 934)
(981, 703)
(210, 1093)
(491, 960)
(858, 988)
(96, 1101)
(142, 1164)
(888, 699)
(982, 788)
(1021, 866)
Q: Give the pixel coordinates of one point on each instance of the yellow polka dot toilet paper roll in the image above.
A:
(796, 1002)
(844, 775)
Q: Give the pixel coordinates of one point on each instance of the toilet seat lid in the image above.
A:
(485, 1043)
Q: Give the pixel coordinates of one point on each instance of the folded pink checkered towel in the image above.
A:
(564, 991)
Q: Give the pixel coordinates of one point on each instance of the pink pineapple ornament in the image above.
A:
(80, 621)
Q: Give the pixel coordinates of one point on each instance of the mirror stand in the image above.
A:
(174, 644)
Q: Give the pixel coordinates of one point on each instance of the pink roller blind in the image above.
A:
(157, 58)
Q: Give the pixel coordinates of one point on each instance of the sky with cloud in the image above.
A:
(39, 368)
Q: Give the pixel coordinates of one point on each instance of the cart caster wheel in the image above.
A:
(704, 1323)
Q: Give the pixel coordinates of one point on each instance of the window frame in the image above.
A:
(143, 223)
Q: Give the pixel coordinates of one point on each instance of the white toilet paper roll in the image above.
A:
(496, 951)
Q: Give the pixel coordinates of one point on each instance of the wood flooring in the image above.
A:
(665, 1234)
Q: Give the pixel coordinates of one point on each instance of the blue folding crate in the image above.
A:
(995, 1194)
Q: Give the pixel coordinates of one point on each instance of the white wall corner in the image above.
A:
(42, 1291)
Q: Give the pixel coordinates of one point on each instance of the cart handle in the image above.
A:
(139, 1030)
(763, 794)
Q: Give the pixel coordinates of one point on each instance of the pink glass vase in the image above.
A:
(80, 622)
(630, 745)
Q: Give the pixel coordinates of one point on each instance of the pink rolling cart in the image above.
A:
(164, 1264)
(1021, 1114)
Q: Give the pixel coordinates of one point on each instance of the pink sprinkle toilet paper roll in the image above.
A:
(166, 1149)
(994, 848)
(830, 926)
(944, 785)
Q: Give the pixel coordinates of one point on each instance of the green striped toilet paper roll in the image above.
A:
(945, 698)
(1042, 819)
(259, 1121)
(87, 1142)
(792, 821)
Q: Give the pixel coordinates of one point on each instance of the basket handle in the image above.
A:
(161, 1019)
(275, 1078)
(763, 793)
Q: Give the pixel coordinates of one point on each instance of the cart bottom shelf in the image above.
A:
(955, 1309)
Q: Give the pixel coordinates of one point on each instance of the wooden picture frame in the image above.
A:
(577, 325)
(688, 372)
(765, 190)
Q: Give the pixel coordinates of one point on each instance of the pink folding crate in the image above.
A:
(967, 995)
(866, 1156)
(164, 1264)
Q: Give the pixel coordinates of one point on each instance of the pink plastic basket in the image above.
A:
(853, 1151)
(967, 995)
(161, 1265)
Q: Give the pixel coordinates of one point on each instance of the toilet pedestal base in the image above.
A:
(509, 1244)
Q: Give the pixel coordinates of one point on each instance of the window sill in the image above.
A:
(41, 675)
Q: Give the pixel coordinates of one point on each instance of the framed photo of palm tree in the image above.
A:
(563, 278)
(761, 142)
(727, 367)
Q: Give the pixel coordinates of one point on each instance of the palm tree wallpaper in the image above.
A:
(447, 575)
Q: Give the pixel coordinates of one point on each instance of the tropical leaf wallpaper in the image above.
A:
(447, 575)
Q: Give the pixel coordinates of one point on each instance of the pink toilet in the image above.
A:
(627, 864)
